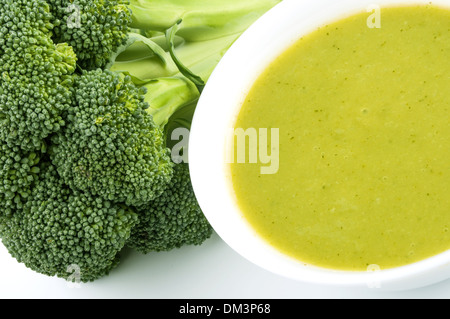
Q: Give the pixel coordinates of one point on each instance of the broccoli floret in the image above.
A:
(60, 231)
(111, 147)
(173, 220)
(95, 29)
(84, 159)
(18, 171)
(34, 74)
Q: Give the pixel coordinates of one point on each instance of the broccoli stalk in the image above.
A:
(177, 39)
(202, 19)
(166, 95)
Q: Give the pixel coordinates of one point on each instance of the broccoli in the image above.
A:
(59, 228)
(95, 29)
(18, 171)
(35, 74)
(89, 93)
(173, 220)
(111, 146)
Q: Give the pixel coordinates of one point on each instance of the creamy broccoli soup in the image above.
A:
(364, 143)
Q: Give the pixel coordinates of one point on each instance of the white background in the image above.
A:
(210, 271)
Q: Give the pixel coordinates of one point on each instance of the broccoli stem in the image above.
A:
(176, 44)
(201, 58)
(202, 19)
(170, 35)
(167, 95)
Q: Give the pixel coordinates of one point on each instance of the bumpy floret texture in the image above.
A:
(66, 233)
(18, 172)
(34, 74)
(95, 29)
(82, 162)
(111, 147)
(173, 220)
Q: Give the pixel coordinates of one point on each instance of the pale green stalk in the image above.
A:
(176, 44)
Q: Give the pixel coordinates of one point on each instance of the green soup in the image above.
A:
(364, 143)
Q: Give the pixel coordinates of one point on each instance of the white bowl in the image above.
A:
(217, 110)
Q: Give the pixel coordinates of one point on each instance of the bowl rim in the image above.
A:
(221, 99)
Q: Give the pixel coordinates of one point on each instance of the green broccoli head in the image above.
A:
(35, 74)
(59, 231)
(18, 172)
(173, 220)
(111, 147)
(95, 29)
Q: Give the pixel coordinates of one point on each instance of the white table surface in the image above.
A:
(210, 271)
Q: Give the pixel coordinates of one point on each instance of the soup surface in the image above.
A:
(364, 143)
